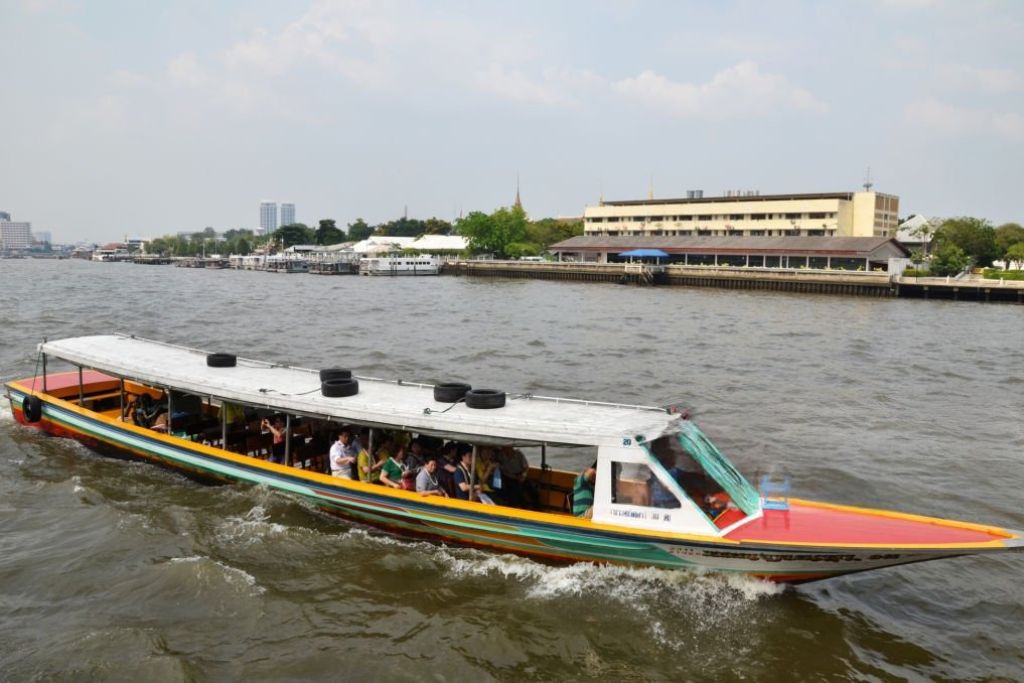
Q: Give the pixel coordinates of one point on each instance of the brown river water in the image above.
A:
(116, 570)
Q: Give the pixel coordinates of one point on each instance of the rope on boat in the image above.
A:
(431, 411)
(35, 372)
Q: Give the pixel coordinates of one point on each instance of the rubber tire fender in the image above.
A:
(339, 388)
(32, 409)
(335, 373)
(220, 360)
(450, 392)
(485, 399)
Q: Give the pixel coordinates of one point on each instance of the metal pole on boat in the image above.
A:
(543, 457)
(122, 398)
(288, 440)
(44, 369)
(224, 424)
(472, 474)
(170, 413)
(81, 390)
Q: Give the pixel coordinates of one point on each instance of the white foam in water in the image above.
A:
(253, 527)
(76, 482)
(231, 575)
(708, 600)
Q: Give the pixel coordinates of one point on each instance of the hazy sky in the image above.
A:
(148, 118)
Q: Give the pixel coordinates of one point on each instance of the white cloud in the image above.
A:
(185, 70)
(124, 78)
(741, 90)
(988, 80)
(946, 119)
(514, 84)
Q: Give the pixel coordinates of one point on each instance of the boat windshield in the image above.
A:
(700, 469)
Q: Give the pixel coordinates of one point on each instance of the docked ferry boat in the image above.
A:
(400, 265)
(663, 494)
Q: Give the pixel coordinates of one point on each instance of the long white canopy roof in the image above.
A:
(400, 405)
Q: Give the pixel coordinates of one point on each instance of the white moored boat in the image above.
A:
(400, 265)
(663, 494)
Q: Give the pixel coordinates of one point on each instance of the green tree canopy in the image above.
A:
(295, 233)
(437, 226)
(548, 231)
(949, 259)
(1007, 235)
(402, 227)
(359, 230)
(975, 237)
(328, 233)
(494, 233)
(158, 246)
(1015, 255)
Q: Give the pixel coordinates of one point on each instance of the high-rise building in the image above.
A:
(15, 235)
(4, 216)
(268, 217)
(287, 213)
(42, 237)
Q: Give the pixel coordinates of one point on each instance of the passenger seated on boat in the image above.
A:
(447, 462)
(583, 492)
(234, 414)
(147, 410)
(368, 466)
(343, 453)
(391, 470)
(463, 477)
(486, 466)
(426, 481)
(515, 487)
(159, 423)
(415, 457)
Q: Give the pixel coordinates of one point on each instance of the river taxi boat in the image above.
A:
(658, 492)
(400, 265)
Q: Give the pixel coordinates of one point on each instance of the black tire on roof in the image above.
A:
(484, 399)
(450, 392)
(338, 388)
(334, 373)
(220, 360)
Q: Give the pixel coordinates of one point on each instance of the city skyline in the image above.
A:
(182, 116)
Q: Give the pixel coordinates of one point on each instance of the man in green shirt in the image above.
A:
(583, 493)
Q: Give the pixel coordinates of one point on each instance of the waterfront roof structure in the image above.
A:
(435, 243)
(604, 248)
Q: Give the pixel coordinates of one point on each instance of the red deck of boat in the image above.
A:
(63, 380)
(827, 526)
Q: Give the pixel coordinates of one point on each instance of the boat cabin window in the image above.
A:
(683, 468)
(636, 484)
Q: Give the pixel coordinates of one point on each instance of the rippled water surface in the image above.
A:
(118, 570)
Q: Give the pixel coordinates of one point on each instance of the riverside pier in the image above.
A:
(802, 280)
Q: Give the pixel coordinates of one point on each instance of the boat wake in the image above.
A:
(708, 602)
(209, 573)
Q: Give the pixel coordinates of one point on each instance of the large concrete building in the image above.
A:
(287, 213)
(268, 217)
(15, 234)
(747, 214)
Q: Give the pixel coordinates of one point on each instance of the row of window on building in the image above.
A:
(716, 217)
(789, 232)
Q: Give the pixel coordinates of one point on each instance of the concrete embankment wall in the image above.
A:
(821, 282)
(985, 291)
